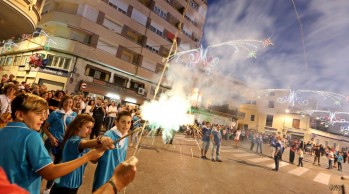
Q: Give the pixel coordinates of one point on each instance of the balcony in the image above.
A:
(18, 17)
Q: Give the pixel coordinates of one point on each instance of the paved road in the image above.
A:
(178, 168)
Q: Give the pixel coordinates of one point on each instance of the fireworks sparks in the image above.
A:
(205, 59)
(299, 96)
(167, 113)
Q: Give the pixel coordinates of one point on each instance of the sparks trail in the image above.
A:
(302, 36)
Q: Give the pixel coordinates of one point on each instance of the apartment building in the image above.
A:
(114, 47)
(19, 17)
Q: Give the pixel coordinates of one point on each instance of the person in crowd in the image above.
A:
(216, 138)
(82, 102)
(49, 95)
(206, 131)
(293, 150)
(77, 104)
(55, 127)
(5, 104)
(112, 158)
(259, 143)
(336, 154)
(54, 102)
(3, 81)
(44, 95)
(98, 112)
(330, 157)
(43, 88)
(89, 106)
(317, 154)
(112, 111)
(74, 146)
(253, 141)
(35, 89)
(345, 156)
(11, 78)
(340, 161)
(277, 153)
(137, 122)
(237, 138)
(300, 157)
(23, 156)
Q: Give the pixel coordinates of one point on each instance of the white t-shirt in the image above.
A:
(112, 109)
(237, 135)
(5, 102)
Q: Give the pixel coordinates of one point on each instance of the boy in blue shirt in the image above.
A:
(216, 143)
(206, 132)
(112, 158)
(24, 156)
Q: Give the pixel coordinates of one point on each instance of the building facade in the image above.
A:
(19, 17)
(114, 47)
(272, 114)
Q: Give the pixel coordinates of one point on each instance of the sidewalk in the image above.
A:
(267, 151)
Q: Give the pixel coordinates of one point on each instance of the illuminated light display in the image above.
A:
(298, 96)
(204, 59)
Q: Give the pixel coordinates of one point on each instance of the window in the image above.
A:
(59, 62)
(97, 73)
(252, 118)
(152, 49)
(113, 26)
(245, 126)
(2, 60)
(161, 13)
(9, 61)
(271, 104)
(120, 81)
(157, 31)
(17, 61)
(135, 85)
(242, 114)
(296, 123)
(25, 60)
(269, 121)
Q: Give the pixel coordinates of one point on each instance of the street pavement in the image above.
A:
(178, 168)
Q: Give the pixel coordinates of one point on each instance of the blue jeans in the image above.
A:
(215, 147)
(259, 145)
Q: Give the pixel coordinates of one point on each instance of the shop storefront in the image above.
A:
(107, 90)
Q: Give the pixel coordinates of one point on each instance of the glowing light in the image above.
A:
(113, 96)
(202, 59)
(132, 100)
(252, 54)
(267, 42)
(295, 96)
(345, 129)
(168, 113)
(330, 119)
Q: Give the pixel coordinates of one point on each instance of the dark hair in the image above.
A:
(57, 93)
(74, 126)
(8, 87)
(123, 113)
(65, 98)
(26, 103)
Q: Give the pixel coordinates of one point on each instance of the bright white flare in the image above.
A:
(168, 113)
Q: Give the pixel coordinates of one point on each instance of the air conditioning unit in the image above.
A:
(141, 91)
